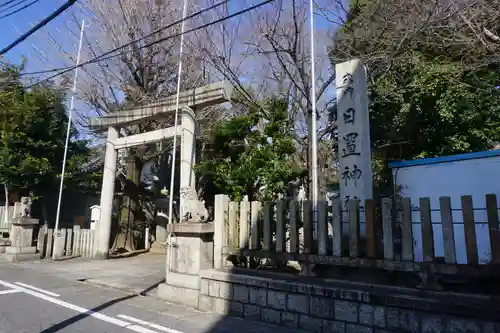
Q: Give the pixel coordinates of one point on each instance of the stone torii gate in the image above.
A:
(189, 102)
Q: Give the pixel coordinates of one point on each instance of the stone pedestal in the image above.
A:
(21, 237)
(191, 251)
(4, 243)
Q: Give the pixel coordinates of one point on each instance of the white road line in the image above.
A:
(37, 289)
(79, 309)
(145, 323)
(10, 291)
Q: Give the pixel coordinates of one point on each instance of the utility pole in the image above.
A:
(57, 233)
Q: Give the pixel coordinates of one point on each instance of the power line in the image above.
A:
(168, 26)
(19, 9)
(7, 3)
(101, 58)
(12, 6)
(40, 25)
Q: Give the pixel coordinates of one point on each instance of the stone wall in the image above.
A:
(344, 307)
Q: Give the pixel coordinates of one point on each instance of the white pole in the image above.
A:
(313, 134)
(68, 130)
(176, 118)
(172, 174)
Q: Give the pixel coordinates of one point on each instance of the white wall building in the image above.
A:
(475, 174)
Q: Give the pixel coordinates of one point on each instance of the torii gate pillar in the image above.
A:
(107, 192)
(189, 100)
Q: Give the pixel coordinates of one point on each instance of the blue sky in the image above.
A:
(19, 23)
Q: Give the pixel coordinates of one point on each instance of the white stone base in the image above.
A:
(4, 243)
(21, 253)
(20, 249)
(178, 295)
(191, 252)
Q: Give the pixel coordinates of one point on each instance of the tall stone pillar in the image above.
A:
(107, 193)
(188, 148)
(353, 132)
(187, 161)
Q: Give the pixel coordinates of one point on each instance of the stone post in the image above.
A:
(191, 251)
(158, 246)
(221, 209)
(107, 193)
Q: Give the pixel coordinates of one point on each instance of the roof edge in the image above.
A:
(444, 159)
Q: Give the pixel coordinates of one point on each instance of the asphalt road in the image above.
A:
(33, 302)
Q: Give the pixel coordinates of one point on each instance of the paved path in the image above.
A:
(135, 274)
(34, 302)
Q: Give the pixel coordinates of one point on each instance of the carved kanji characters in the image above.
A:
(350, 145)
(349, 116)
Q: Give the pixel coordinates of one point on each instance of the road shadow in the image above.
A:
(146, 291)
(70, 321)
(125, 255)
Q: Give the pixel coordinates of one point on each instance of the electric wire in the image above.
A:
(12, 6)
(8, 3)
(40, 25)
(170, 25)
(101, 58)
(19, 9)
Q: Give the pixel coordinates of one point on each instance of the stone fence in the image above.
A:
(200, 275)
(343, 307)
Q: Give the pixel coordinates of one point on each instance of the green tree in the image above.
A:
(434, 74)
(252, 154)
(34, 124)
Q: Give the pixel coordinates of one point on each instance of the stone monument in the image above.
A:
(353, 132)
(21, 234)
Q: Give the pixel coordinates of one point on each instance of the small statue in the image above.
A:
(26, 209)
(192, 209)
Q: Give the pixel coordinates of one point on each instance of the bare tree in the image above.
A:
(140, 73)
(267, 52)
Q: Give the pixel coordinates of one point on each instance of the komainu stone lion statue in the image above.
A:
(192, 209)
(26, 209)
